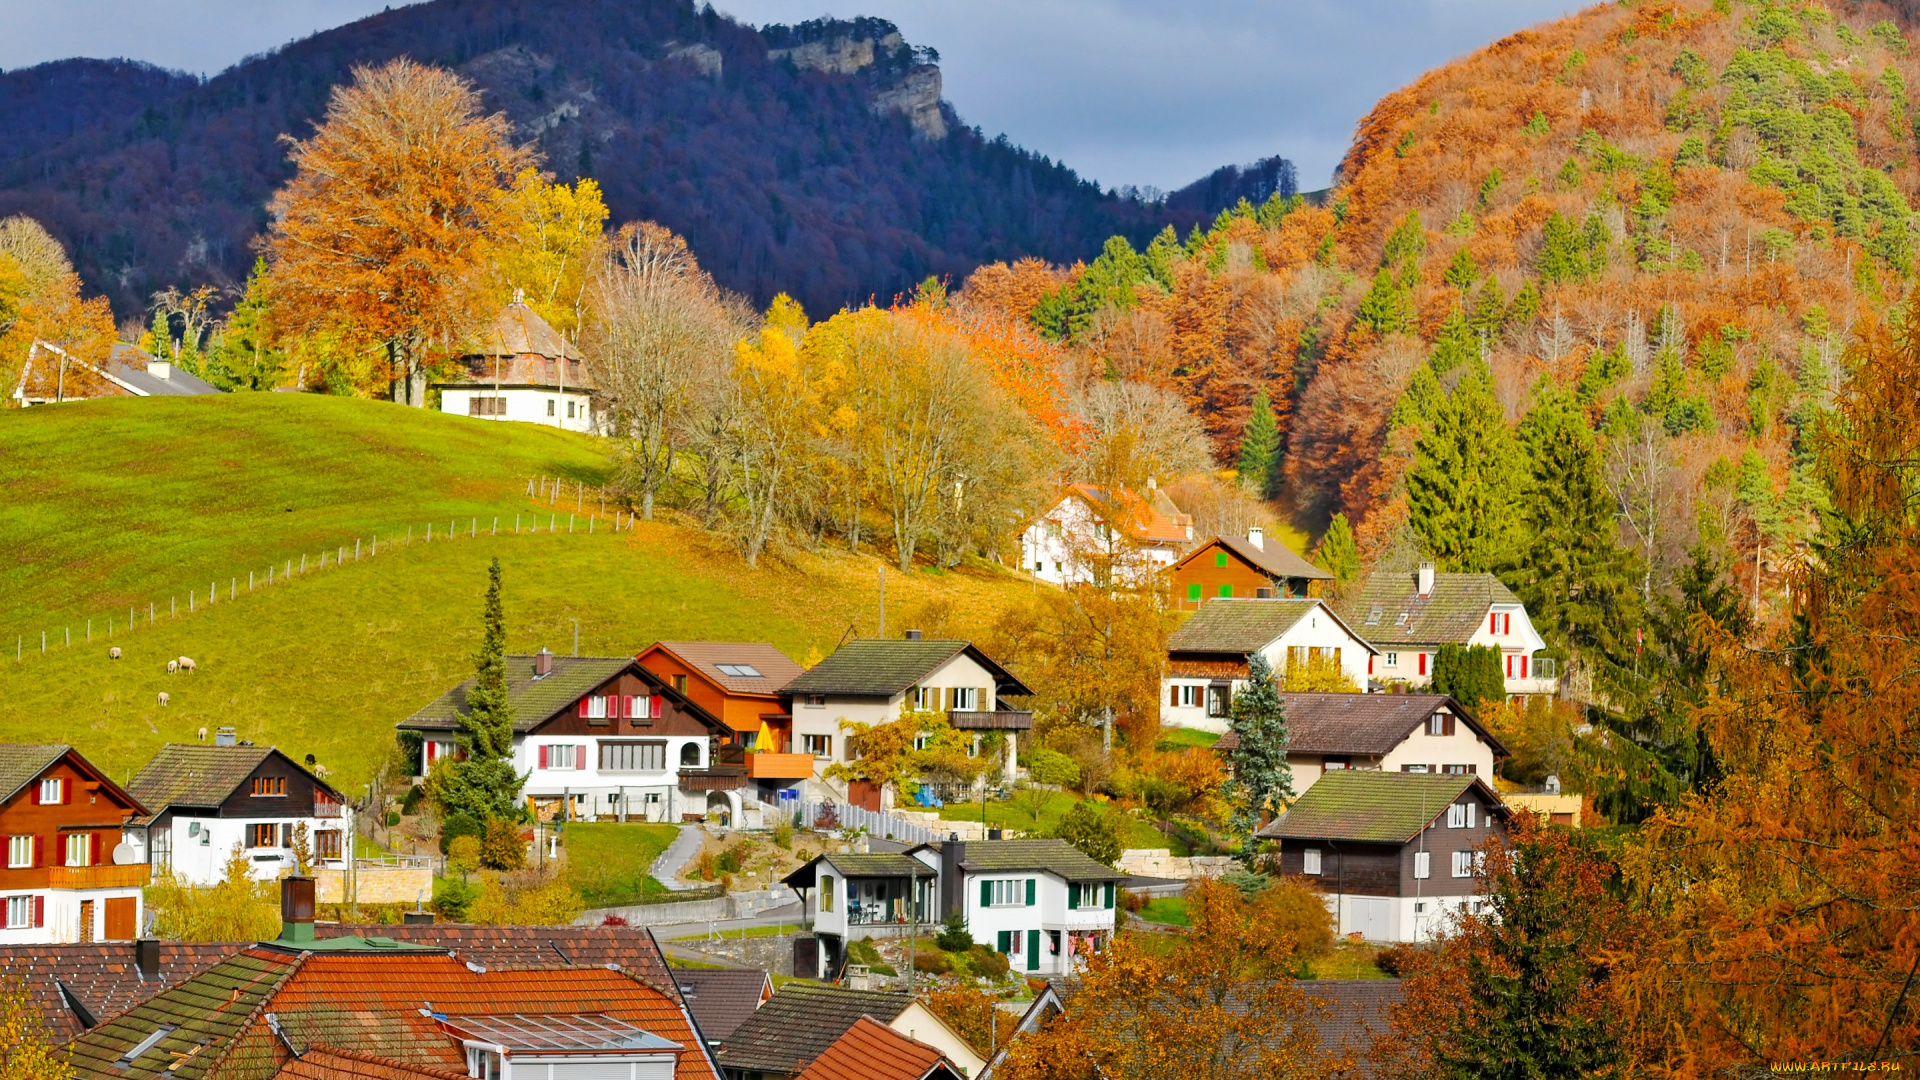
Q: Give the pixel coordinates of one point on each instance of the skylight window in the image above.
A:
(1373, 617)
(1402, 620)
(740, 671)
(146, 1044)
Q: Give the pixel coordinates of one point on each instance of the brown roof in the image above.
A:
(1452, 611)
(1241, 626)
(631, 949)
(775, 667)
(800, 1022)
(73, 987)
(1151, 520)
(1374, 807)
(1274, 558)
(871, 1050)
(22, 763)
(1366, 724)
(194, 774)
(720, 999)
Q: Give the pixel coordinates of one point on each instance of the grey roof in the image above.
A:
(1273, 558)
(1240, 626)
(534, 701)
(800, 1022)
(129, 364)
(883, 667)
(776, 668)
(1372, 806)
(1055, 857)
(1357, 1010)
(1452, 612)
(721, 999)
(22, 763)
(877, 864)
(1365, 724)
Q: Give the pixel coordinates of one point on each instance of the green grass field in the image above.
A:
(1179, 738)
(1166, 910)
(608, 861)
(114, 505)
(1018, 813)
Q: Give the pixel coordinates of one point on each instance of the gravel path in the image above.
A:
(666, 868)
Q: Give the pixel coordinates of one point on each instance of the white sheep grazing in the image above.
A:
(113, 653)
(173, 666)
(186, 664)
(164, 699)
(203, 734)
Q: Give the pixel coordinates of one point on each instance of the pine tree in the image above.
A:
(1262, 781)
(162, 332)
(1338, 554)
(1456, 345)
(1387, 307)
(1420, 401)
(1563, 255)
(1259, 446)
(1471, 674)
(1462, 271)
(1462, 492)
(484, 784)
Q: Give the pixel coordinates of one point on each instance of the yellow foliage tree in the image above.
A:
(553, 237)
(27, 1046)
(239, 908)
(40, 301)
(921, 744)
(526, 898)
(1320, 674)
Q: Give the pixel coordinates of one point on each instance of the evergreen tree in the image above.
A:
(1406, 243)
(1462, 271)
(1463, 490)
(1563, 254)
(1420, 402)
(1489, 309)
(1259, 447)
(162, 332)
(1338, 554)
(1472, 674)
(484, 785)
(1262, 782)
(244, 357)
(1577, 581)
(1525, 307)
(1162, 253)
(1387, 307)
(1456, 345)
(1091, 831)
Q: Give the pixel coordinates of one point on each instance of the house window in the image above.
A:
(1402, 620)
(1226, 590)
(1460, 770)
(19, 852)
(19, 912)
(818, 745)
(549, 406)
(561, 756)
(486, 406)
(1263, 594)
(1463, 864)
(1457, 816)
(920, 741)
(1219, 558)
(1005, 892)
(816, 701)
(680, 683)
(1190, 696)
(326, 844)
(1423, 864)
(690, 756)
(1335, 763)
(267, 836)
(1193, 592)
(79, 849)
(966, 698)
(596, 707)
(570, 406)
(53, 791)
(1440, 723)
(270, 786)
(649, 756)
(1413, 768)
(739, 671)
(1393, 659)
(1218, 700)
(826, 892)
(1373, 617)
(1310, 862)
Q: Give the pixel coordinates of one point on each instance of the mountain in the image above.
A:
(816, 159)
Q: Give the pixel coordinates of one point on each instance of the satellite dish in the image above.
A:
(124, 855)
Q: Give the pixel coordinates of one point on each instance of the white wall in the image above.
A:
(1049, 912)
(63, 915)
(1318, 629)
(1408, 919)
(1061, 546)
(961, 671)
(917, 1023)
(1463, 747)
(594, 788)
(1515, 637)
(197, 848)
(527, 406)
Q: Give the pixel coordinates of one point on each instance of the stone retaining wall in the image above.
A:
(376, 885)
(1161, 863)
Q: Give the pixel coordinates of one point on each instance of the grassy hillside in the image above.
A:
(122, 502)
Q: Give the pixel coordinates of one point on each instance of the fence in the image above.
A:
(354, 551)
(832, 814)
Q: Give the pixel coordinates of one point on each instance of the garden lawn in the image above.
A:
(1179, 738)
(1349, 961)
(608, 862)
(1166, 910)
(1018, 813)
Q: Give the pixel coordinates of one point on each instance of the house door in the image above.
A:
(121, 913)
(1371, 917)
(86, 921)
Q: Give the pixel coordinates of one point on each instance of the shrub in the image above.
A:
(392, 818)
(501, 847)
(1051, 767)
(932, 963)
(1092, 832)
(1396, 961)
(864, 952)
(463, 855)
(954, 937)
(783, 835)
(987, 963)
(526, 898)
(614, 920)
(729, 861)
(1132, 901)
(708, 871)
(458, 825)
(410, 802)
(453, 898)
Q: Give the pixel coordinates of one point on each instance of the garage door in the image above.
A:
(1371, 917)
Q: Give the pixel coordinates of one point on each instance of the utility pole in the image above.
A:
(883, 601)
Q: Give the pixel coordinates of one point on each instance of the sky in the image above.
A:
(1128, 92)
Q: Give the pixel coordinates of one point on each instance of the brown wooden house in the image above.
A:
(70, 873)
(205, 800)
(1255, 567)
(741, 682)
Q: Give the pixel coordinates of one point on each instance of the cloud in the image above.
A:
(1147, 92)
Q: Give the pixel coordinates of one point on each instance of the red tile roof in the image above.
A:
(327, 1063)
(103, 979)
(872, 1051)
(633, 949)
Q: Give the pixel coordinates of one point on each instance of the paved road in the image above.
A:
(788, 915)
(685, 846)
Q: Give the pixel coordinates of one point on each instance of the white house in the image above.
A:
(600, 737)
(1209, 655)
(871, 680)
(1091, 534)
(1408, 616)
(69, 874)
(204, 801)
(526, 372)
(1413, 733)
(1396, 855)
(1041, 903)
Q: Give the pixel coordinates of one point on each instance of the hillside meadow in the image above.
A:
(122, 502)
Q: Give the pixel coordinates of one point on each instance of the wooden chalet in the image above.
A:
(70, 875)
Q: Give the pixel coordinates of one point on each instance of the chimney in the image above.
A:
(1425, 579)
(913, 635)
(542, 663)
(417, 918)
(1257, 536)
(226, 736)
(146, 956)
(160, 369)
(953, 851)
(1151, 483)
(296, 910)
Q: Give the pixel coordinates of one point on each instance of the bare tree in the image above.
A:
(1557, 340)
(1167, 440)
(657, 328)
(1639, 475)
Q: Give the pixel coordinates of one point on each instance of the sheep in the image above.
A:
(164, 698)
(113, 653)
(173, 666)
(203, 734)
(186, 664)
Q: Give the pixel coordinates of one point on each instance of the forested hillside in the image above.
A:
(818, 160)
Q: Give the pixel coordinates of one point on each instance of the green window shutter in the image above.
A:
(1226, 590)
(1073, 895)
(1109, 903)
(1006, 942)
(1030, 884)
(986, 893)
(1193, 591)
(1033, 950)
(1219, 558)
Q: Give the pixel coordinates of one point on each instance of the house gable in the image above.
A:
(304, 793)
(679, 713)
(105, 802)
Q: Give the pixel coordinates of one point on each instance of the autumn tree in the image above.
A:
(551, 245)
(394, 210)
(238, 907)
(40, 301)
(28, 1047)
(772, 403)
(1090, 654)
(657, 332)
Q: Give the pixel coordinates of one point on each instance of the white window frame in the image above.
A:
(1393, 659)
(55, 785)
(19, 852)
(1008, 892)
(820, 746)
(19, 912)
(1192, 695)
(596, 707)
(966, 698)
(1423, 864)
(1310, 862)
(1463, 864)
(569, 752)
(1457, 816)
(79, 849)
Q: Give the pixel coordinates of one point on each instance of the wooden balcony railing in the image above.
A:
(131, 876)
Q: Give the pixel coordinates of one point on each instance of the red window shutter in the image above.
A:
(1523, 666)
(583, 706)
(580, 757)
(39, 851)
(1509, 665)
(39, 911)
(1493, 623)
(1423, 663)
(93, 855)
(1506, 624)
(656, 705)
(36, 794)
(543, 757)
(59, 851)
(1173, 696)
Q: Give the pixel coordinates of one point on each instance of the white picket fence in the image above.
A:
(849, 816)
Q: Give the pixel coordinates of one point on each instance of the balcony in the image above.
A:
(769, 766)
(131, 876)
(997, 720)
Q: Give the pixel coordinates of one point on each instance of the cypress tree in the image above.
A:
(1462, 491)
(1262, 781)
(484, 785)
(1470, 673)
(1259, 446)
(1338, 554)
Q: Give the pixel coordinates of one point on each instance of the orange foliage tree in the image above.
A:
(385, 231)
